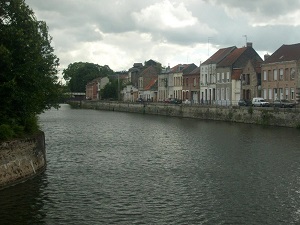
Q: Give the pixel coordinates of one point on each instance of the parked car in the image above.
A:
(187, 102)
(140, 100)
(167, 100)
(175, 101)
(283, 103)
(261, 102)
(244, 102)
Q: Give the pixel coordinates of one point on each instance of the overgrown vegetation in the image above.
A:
(28, 69)
(266, 118)
(250, 110)
(78, 74)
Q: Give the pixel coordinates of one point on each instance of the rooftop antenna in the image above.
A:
(245, 36)
(208, 40)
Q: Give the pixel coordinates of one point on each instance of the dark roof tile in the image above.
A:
(285, 53)
(219, 55)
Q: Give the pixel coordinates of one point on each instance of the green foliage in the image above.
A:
(28, 66)
(250, 110)
(78, 74)
(6, 132)
(110, 91)
(266, 118)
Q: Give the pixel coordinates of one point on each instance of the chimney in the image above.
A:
(266, 56)
(249, 44)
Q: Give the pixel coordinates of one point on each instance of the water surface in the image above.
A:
(123, 168)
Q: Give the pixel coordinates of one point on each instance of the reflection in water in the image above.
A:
(122, 168)
(23, 203)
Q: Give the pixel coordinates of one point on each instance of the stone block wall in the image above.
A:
(264, 116)
(21, 159)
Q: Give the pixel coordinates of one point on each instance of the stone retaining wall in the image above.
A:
(255, 115)
(21, 159)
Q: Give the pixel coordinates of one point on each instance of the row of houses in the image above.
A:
(224, 78)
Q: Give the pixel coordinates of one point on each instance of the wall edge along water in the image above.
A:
(22, 159)
(266, 116)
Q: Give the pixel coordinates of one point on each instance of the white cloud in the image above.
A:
(164, 15)
(121, 32)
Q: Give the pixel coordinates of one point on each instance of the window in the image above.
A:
(195, 82)
(274, 74)
(227, 75)
(292, 94)
(293, 73)
(270, 93)
(222, 93)
(227, 94)
(281, 74)
(264, 93)
(286, 93)
(269, 75)
(218, 94)
(248, 79)
(223, 80)
(265, 75)
(275, 93)
(280, 93)
(218, 77)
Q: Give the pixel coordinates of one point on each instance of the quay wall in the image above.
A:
(254, 115)
(22, 159)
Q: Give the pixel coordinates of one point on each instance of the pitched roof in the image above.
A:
(150, 84)
(184, 68)
(236, 73)
(232, 57)
(178, 68)
(150, 69)
(285, 53)
(219, 55)
(195, 71)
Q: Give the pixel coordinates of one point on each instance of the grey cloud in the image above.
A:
(262, 8)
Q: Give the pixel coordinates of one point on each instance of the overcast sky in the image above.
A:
(119, 33)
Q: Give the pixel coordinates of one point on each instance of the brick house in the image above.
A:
(251, 80)
(227, 85)
(191, 87)
(174, 80)
(208, 75)
(92, 88)
(280, 74)
(146, 82)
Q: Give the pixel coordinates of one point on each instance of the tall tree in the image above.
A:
(78, 74)
(28, 66)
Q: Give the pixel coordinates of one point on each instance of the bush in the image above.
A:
(6, 132)
(31, 125)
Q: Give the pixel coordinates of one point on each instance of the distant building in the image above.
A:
(280, 74)
(208, 76)
(92, 89)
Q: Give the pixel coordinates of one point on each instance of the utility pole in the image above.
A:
(208, 40)
(118, 87)
(245, 36)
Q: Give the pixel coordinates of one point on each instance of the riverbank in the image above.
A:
(21, 159)
(263, 116)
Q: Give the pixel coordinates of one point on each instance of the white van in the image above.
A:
(261, 102)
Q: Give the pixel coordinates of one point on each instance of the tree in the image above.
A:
(28, 66)
(112, 89)
(78, 74)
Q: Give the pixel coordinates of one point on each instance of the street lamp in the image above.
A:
(241, 87)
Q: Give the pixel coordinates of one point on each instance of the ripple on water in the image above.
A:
(119, 168)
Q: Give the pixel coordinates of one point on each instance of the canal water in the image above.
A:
(123, 168)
